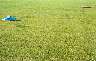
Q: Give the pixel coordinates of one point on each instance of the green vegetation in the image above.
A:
(48, 30)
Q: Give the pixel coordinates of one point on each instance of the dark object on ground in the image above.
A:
(86, 7)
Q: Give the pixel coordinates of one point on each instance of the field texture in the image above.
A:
(48, 30)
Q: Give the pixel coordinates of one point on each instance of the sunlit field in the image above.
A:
(48, 30)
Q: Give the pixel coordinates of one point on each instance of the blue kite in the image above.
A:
(9, 18)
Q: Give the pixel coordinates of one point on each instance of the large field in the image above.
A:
(48, 30)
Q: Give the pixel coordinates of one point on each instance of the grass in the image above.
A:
(48, 30)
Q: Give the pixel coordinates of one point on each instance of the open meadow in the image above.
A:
(48, 30)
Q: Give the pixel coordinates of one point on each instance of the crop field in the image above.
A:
(48, 30)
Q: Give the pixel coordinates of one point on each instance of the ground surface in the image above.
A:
(48, 30)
